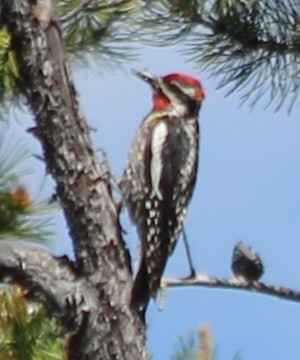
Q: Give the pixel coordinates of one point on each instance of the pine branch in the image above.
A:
(204, 280)
(21, 217)
(98, 27)
(92, 6)
(250, 46)
(76, 13)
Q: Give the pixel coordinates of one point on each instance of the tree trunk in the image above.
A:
(94, 304)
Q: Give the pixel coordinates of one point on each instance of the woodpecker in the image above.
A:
(160, 175)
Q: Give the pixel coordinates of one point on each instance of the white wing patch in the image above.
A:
(159, 135)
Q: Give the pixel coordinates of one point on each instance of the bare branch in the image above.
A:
(251, 46)
(234, 283)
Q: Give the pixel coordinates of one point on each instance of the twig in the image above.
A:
(234, 283)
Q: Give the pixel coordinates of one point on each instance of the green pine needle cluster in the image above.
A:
(249, 46)
(189, 348)
(89, 28)
(21, 217)
(186, 348)
(9, 71)
(97, 28)
(26, 332)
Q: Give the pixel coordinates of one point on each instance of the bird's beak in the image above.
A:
(152, 80)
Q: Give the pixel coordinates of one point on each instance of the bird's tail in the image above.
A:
(145, 286)
(140, 294)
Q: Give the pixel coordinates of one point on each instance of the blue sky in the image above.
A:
(248, 189)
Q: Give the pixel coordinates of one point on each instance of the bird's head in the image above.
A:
(173, 90)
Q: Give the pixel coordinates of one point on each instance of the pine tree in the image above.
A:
(38, 42)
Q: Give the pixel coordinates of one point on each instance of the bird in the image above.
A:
(246, 263)
(160, 175)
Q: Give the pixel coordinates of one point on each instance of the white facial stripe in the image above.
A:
(159, 135)
(188, 90)
(178, 104)
(171, 95)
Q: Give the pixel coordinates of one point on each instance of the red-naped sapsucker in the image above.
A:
(160, 175)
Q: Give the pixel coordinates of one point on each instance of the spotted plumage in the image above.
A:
(160, 175)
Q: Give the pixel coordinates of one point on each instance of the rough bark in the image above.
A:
(97, 299)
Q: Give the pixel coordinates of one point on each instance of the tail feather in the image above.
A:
(144, 287)
(140, 294)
